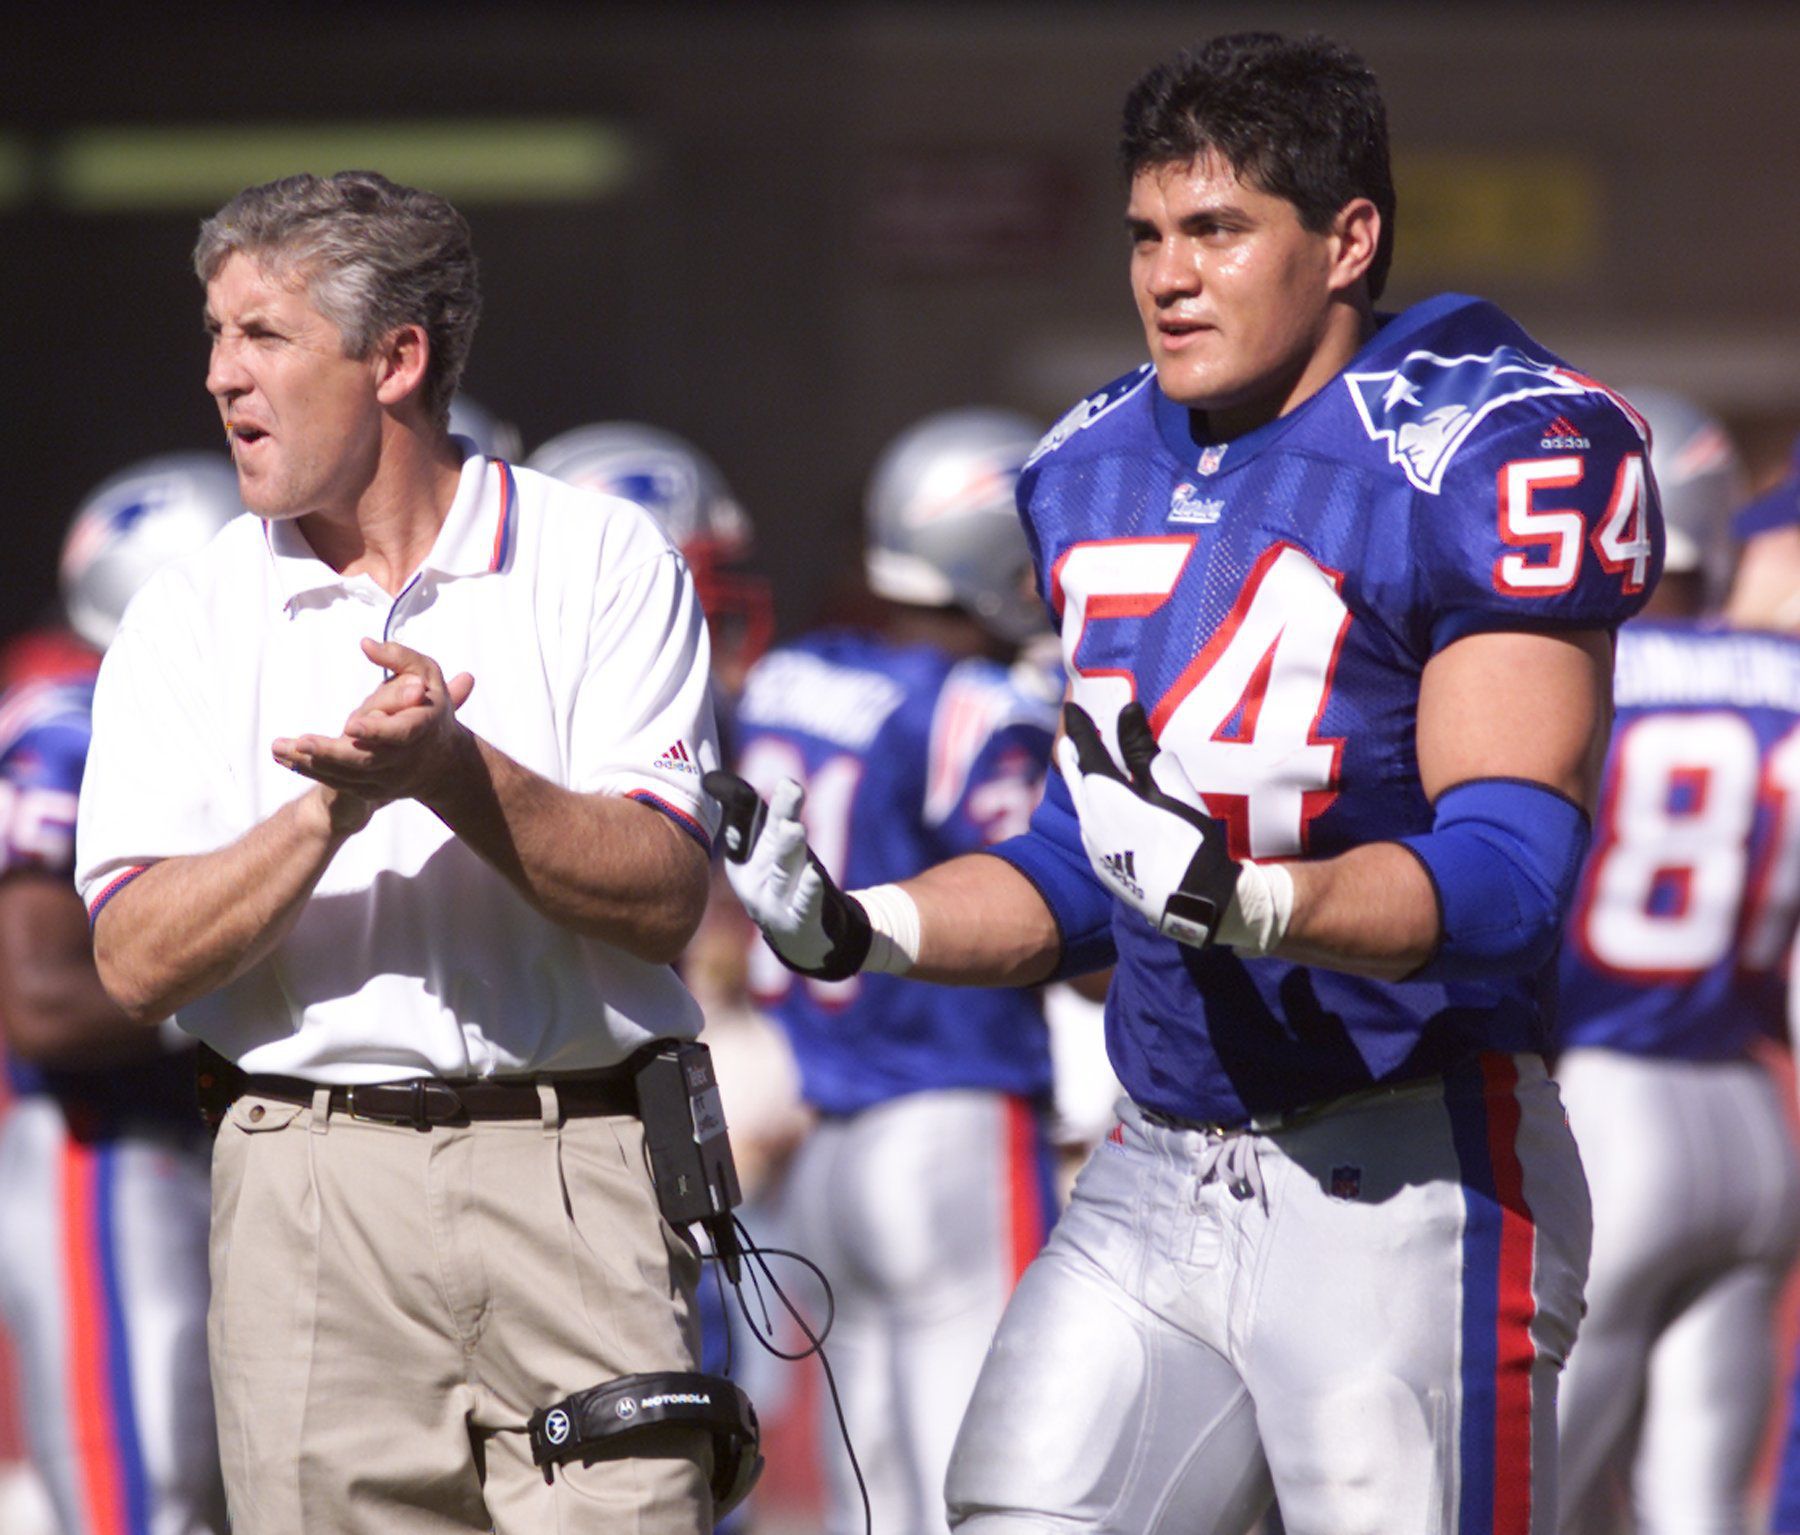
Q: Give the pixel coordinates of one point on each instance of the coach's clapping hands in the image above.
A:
(401, 742)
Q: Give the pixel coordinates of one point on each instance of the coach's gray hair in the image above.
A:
(374, 256)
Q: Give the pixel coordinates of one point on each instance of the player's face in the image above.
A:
(1233, 291)
(302, 418)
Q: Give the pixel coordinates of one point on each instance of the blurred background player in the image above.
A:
(103, 1156)
(1672, 970)
(922, 1191)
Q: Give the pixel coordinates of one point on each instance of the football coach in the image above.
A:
(392, 799)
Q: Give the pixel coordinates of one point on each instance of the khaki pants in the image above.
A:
(390, 1306)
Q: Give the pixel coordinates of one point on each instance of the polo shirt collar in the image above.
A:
(475, 539)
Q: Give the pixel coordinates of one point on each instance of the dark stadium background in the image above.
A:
(786, 230)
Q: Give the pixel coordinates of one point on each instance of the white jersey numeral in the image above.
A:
(1551, 538)
(1669, 893)
(830, 793)
(1623, 538)
(1243, 717)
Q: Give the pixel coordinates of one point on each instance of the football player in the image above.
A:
(1336, 592)
(1671, 969)
(923, 1190)
(103, 1156)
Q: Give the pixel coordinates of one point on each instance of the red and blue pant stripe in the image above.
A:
(1499, 1251)
(111, 1480)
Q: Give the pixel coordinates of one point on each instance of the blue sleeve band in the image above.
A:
(1051, 856)
(1503, 855)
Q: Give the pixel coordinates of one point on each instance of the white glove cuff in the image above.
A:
(1261, 907)
(894, 924)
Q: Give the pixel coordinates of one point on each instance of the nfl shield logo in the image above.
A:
(1212, 457)
(1346, 1181)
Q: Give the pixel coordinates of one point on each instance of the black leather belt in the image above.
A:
(426, 1101)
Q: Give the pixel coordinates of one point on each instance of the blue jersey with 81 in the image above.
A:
(908, 757)
(1685, 913)
(1273, 601)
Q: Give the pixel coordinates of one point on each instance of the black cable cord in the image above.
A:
(765, 1335)
(725, 1310)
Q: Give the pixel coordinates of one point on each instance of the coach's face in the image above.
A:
(302, 417)
(1234, 292)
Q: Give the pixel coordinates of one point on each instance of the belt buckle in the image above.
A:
(414, 1114)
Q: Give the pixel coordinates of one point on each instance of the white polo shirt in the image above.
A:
(413, 956)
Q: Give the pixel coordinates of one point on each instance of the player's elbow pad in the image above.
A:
(1051, 856)
(1503, 855)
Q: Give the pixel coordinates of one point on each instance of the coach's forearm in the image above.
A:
(597, 864)
(982, 923)
(187, 926)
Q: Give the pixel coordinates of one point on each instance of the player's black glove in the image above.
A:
(1148, 835)
(813, 927)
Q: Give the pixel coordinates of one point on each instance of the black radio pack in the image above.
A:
(690, 1152)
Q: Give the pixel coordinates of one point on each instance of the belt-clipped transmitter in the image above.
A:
(690, 1152)
(600, 1422)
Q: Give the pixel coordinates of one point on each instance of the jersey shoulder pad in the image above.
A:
(42, 725)
(978, 710)
(1449, 377)
(1091, 409)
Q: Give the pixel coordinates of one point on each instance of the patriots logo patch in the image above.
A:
(1429, 406)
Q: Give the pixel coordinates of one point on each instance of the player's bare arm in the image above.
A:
(1516, 705)
(53, 1010)
(981, 923)
(596, 864)
(186, 926)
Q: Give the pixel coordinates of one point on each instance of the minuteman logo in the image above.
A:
(1122, 869)
(1429, 406)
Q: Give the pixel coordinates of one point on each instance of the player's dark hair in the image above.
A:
(1300, 118)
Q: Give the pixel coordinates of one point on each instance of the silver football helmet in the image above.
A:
(669, 477)
(1700, 479)
(132, 525)
(683, 490)
(493, 438)
(942, 527)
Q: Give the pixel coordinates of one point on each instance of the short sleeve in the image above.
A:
(1548, 518)
(643, 719)
(988, 752)
(152, 787)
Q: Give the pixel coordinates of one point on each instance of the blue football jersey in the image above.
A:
(1684, 918)
(1273, 600)
(46, 723)
(908, 757)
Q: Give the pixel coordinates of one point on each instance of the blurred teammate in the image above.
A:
(1352, 577)
(922, 1191)
(103, 1157)
(1671, 969)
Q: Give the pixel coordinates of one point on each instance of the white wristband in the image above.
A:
(1261, 906)
(894, 920)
